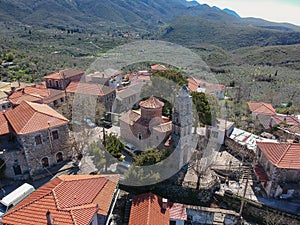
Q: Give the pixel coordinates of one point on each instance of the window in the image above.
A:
(140, 136)
(38, 139)
(57, 83)
(45, 162)
(17, 169)
(50, 83)
(59, 157)
(55, 135)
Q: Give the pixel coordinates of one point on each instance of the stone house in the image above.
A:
(37, 138)
(279, 165)
(102, 93)
(261, 112)
(150, 209)
(112, 78)
(217, 90)
(158, 67)
(38, 94)
(6, 89)
(61, 79)
(126, 98)
(68, 199)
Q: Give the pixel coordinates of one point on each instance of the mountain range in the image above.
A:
(96, 13)
(179, 21)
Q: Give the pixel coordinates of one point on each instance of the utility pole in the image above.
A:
(105, 151)
(50, 139)
(243, 199)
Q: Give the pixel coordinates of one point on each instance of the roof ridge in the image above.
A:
(267, 105)
(73, 217)
(44, 113)
(106, 181)
(288, 147)
(149, 208)
(28, 121)
(34, 200)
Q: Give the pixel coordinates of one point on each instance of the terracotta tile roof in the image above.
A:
(61, 197)
(151, 103)
(261, 108)
(147, 209)
(282, 155)
(288, 119)
(67, 73)
(89, 88)
(36, 94)
(4, 127)
(195, 85)
(158, 67)
(30, 117)
(294, 129)
(178, 211)
(164, 127)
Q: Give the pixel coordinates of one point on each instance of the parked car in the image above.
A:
(137, 152)
(89, 122)
(123, 167)
(130, 148)
(15, 197)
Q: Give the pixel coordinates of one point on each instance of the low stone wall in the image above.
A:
(258, 212)
(240, 151)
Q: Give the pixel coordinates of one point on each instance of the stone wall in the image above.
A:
(49, 148)
(239, 150)
(259, 212)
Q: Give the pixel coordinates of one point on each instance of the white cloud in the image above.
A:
(265, 9)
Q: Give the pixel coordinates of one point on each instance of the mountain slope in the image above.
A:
(94, 14)
(191, 30)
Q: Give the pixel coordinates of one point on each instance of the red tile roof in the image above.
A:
(157, 67)
(36, 94)
(261, 108)
(151, 103)
(147, 209)
(89, 88)
(288, 119)
(4, 127)
(71, 199)
(194, 84)
(178, 211)
(30, 117)
(67, 73)
(282, 155)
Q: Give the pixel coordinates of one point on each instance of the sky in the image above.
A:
(272, 10)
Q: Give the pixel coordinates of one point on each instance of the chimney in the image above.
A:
(49, 218)
(19, 83)
(164, 203)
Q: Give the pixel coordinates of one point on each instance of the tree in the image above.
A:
(150, 157)
(202, 107)
(173, 75)
(99, 158)
(114, 146)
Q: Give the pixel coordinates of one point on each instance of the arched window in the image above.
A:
(140, 136)
(59, 157)
(45, 162)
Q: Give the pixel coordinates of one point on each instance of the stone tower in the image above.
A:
(182, 121)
